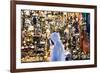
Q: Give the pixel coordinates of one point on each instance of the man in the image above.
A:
(57, 52)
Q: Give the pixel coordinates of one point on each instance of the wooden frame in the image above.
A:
(13, 35)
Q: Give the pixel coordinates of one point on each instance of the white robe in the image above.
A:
(57, 53)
